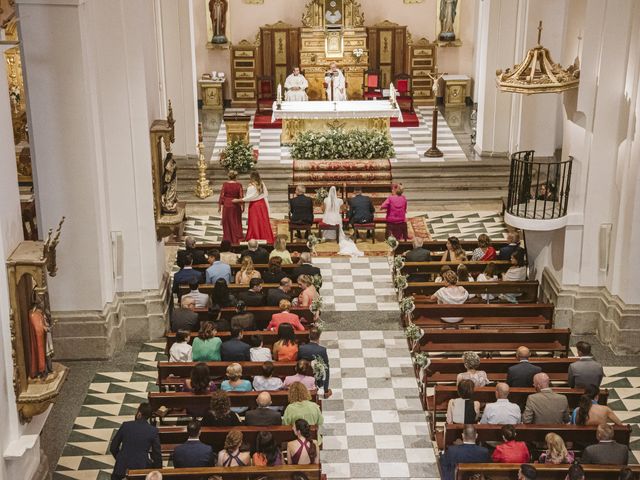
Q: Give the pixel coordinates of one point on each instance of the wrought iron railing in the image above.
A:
(538, 189)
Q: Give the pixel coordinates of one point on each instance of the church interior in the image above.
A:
(320, 239)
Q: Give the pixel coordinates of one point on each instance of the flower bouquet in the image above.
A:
(319, 369)
(407, 305)
(317, 282)
(321, 194)
(312, 241)
(316, 306)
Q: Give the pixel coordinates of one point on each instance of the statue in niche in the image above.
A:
(447, 18)
(169, 198)
(218, 13)
(40, 342)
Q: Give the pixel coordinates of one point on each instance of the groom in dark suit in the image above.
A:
(301, 208)
(360, 208)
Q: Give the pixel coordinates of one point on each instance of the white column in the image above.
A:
(176, 24)
(10, 236)
(92, 78)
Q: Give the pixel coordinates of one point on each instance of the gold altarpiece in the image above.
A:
(28, 267)
(332, 34)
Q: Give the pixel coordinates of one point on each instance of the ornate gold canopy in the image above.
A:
(537, 73)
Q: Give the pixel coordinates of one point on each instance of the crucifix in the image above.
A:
(434, 151)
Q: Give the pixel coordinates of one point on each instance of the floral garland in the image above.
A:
(317, 281)
(413, 332)
(312, 241)
(316, 305)
(237, 156)
(421, 359)
(401, 282)
(319, 368)
(339, 144)
(407, 305)
(398, 262)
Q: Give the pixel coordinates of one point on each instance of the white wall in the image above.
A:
(421, 20)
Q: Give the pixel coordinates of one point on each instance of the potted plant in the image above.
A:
(238, 156)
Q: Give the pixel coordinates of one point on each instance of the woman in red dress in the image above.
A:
(231, 211)
(258, 223)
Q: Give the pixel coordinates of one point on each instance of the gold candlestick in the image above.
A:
(203, 188)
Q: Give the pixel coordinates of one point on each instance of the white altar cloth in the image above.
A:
(318, 110)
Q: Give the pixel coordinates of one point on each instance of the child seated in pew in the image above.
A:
(439, 278)
(464, 276)
(488, 276)
(231, 455)
(258, 352)
(180, 351)
(451, 293)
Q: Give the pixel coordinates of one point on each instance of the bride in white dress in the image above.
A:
(332, 216)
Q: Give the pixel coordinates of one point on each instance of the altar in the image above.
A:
(298, 117)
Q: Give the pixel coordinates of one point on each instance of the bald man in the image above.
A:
(262, 416)
(502, 411)
(339, 93)
(521, 374)
(546, 406)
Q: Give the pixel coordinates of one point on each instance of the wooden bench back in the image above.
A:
(261, 267)
(262, 315)
(235, 289)
(546, 471)
(293, 247)
(182, 370)
(547, 340)
(431, 310)
(528, 290)
(433, 267)
(283, 472)
(268, 337)
(441, 245)
(215, 436)
(584, 434)
(447, 369)
(485, 322)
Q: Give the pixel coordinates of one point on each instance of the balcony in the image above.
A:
(538, 192)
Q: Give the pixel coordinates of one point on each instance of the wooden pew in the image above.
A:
(235, 289)
(433, 267)
(545, 340)
(441, 245)
(261, 267)
(174, 373)
(268, 337)
(170, 437)
(583, 434)
(262, 315)
(443, 370)
(437, 403)
(547, 471)
(484, 322)
(527, 289)
(283, 472)
(298, 247)
(471, 311)
(179, 402)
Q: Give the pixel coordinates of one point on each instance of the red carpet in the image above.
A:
(410, 120)
(264, 121)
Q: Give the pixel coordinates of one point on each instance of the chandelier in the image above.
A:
(537, 73)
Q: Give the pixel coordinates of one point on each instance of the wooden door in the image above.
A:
(279, 51)
(387, 43)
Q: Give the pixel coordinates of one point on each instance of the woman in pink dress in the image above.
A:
(396, 207)
(258, 223)
(231, 212)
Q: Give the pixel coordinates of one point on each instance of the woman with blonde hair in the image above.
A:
(556, 451)
(309, 292)
(231, 210)
(301, 406)
(280, 250)
(451, 293)
(472, 363)
(235, 383)
(258, 223)
(247, 271)
(230, 455)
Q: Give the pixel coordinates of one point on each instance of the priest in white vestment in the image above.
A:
(339, 84)
(296, 86)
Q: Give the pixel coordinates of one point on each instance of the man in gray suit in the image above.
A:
(586, 371)
(545, 406)
(607, 451)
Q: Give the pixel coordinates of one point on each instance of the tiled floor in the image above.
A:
(410, 143)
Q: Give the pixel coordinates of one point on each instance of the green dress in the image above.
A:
(206, 350)
(308, 410)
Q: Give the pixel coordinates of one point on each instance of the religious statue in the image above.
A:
(447, 17)
(40, 343)
(296, 86)
(218, 13)
(336, 84)
(169, 198)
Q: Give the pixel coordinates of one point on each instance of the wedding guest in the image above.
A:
(607, 451)
(454, 252)
(305, 267)
(303, 368)
(280, 250)
(185, 276)
(463, 273)
(254, 296)
(234, 349)
(285, 316)
(267, 381)
(199, 380)
(285, 349)
(396, 207)
(274, 272)
(309, 351)
(235, 383)
(267, 453)
(258, 254)
(243, 319)
(303, 450)
(488, 275)
(586, 371)
(247, 272)
(231, 455)
(301, 209)
(258, 352)
(217, 269)
(202, 299)
(556, 451)
(502, 411)
(258, 223)
(590, 413)
(485, 251)
(451, 293)
(463, 409)
(197, 255)
(471, 363)
(440, 277)
(219, 413)
(193, 453)
(206, 347)
(221, 295)
(226, 255)
(309, 292)
(263, 416)
(418, 253)
(514, 243)
(510, 451)
(231, 212)
(180, 351)
(184, 318)
(301, 406)
(283, 292)
(517, 272)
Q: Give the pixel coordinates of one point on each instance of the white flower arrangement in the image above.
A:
(318, 324)
(398, 262)
(357, 53)
(401, 282)
(317, 281)
(321, 194)
(392, 242)
(413, 332)
(421, 359)
(407, 305)
(312, 241)
(338, 144)
(317, 305)
(319, 368)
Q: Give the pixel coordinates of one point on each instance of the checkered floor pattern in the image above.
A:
(410, 143)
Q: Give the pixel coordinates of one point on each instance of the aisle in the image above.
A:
(374, 423)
